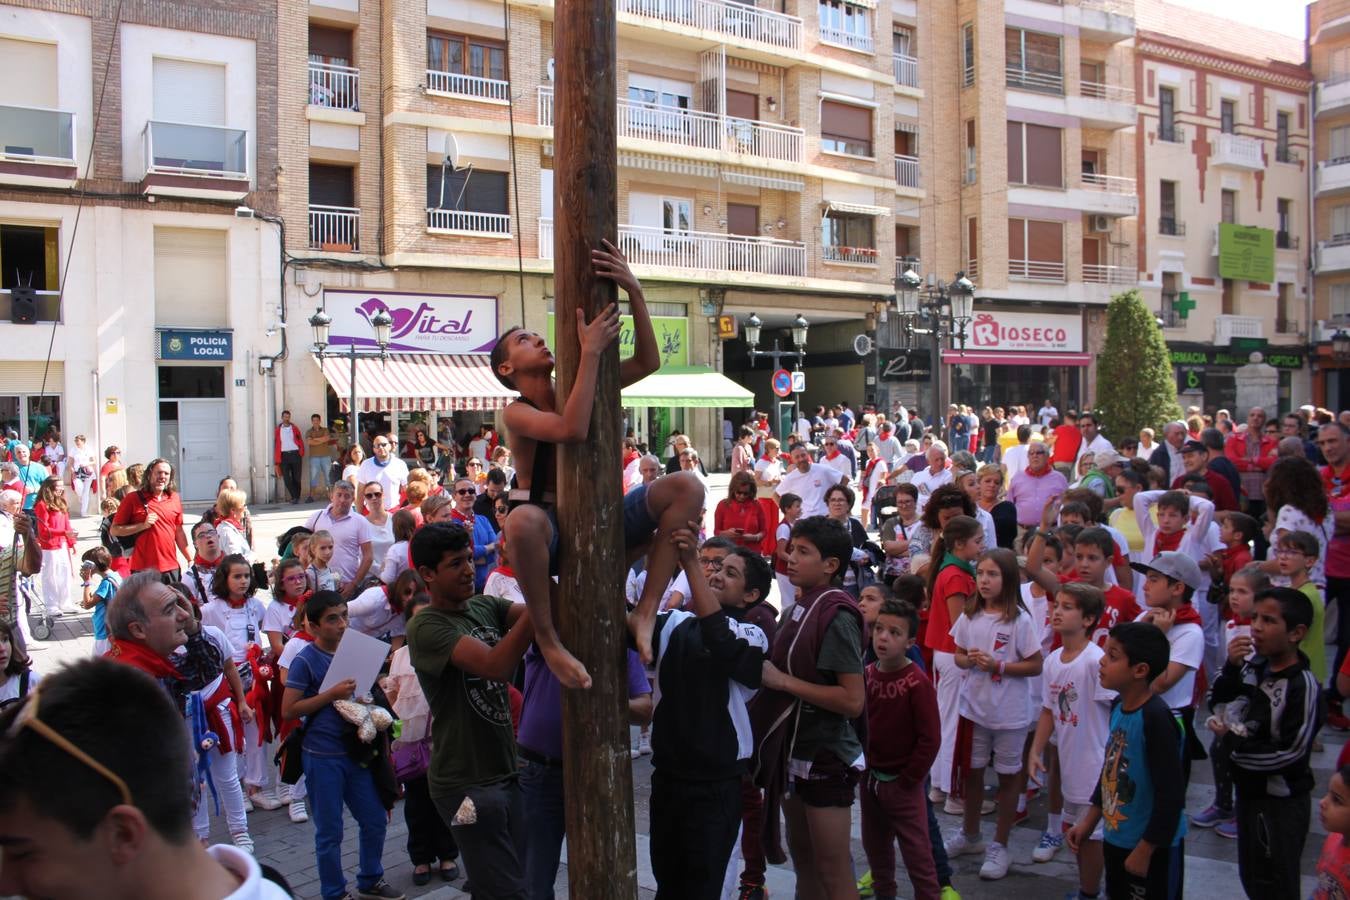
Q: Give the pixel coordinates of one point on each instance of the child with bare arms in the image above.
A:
(521, 360)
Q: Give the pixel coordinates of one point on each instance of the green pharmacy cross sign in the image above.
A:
(1183, 305)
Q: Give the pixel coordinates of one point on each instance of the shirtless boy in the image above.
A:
(521, 360)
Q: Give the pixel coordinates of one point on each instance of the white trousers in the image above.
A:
(949, 679)
(83, 490)
(250, 763)
(56, 576)
(224, 775)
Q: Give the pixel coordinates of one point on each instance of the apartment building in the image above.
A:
(1224, 163)
(165, 294)
(1328, 45)
(1031, 114)
(770, 159)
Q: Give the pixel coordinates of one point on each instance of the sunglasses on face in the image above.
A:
(464, 492)
(373, 494)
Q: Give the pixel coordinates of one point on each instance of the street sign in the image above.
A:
(782, 382)
(798, 382)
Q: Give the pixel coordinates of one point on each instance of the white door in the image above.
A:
(203, 447)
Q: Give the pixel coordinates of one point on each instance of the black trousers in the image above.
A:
(429, 838)
(290, 472)
(1271, 835)
(694, 827)
(1164, 880)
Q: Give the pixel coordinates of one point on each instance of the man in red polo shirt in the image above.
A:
(1064, 447)
(154, 514)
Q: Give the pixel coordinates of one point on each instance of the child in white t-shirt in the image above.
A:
(321, 577)
(229, 716)
(1076, 711)
(501, 581)
(790, 505)
(998, 646)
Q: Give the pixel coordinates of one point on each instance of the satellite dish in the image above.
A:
(550, 68)
(862, 345)
(450, 167)
(451, 151)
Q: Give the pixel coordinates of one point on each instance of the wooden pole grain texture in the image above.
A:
(597, 770)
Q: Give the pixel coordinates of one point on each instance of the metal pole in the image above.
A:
(356, 431)
(935, 360)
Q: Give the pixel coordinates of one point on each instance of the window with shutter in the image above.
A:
(1340, 302)
(330, 45)
(845, 128)
(191, 278)
(1340, 223)
(840, 229)
(1045, 156)
(1016, 161)
(192, 93)
(1340, 144)
(331, 185)
(468, 191)
(743, 219)
(29, 70)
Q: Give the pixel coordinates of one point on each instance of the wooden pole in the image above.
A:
(597, 771)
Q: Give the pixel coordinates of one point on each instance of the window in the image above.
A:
(38, 84)
(1167, 209)
(463, 54)
(330, 46)
(1340, 224)
(845, 128)
(1284, 216)
(331, 185)
(906, 140)
(28, 257)
(1229, 303)
(1034, 155)
(906, 242)
(1340, 65)
(468, 191)
(902, 41)
(1228, 207)
(1034, 62)
(972, 247)
(1282, 152)
(1284, 305)
(1167, 116)
(970, 152)
(334, 223)
(1340, 145)
(845, 24)
(189, 92)
(841, 229)
(967, 55)
(742, 219)
(662, 92)
(1035, 250)
(1227, 116)
(1340, 302)
(1170, 316)
(191, 277)
(676, 214)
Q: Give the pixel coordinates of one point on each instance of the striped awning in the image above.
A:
(406, 382)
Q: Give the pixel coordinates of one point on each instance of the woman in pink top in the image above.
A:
(56, 538)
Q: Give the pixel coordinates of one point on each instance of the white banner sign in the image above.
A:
(1025, 332)
(423, 323)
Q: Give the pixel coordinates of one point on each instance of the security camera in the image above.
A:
(243, 212)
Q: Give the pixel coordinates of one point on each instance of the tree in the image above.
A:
(1135, 385)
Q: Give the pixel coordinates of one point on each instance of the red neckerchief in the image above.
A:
(292, 604)
(1163, 542)
(1337, 484)
(1240, 620)
(202, 562)
(141, 657)
(237, 604)
(505, 570)
(237, 523)
(831, 454)
(303, 636)
(629, 457)
(867, 475)
(1041, 474)
(460, 517)
(1187, 613)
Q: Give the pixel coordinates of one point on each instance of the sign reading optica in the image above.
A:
(1025, 332)
(1246, 254)
(423, 323)
(211, 346)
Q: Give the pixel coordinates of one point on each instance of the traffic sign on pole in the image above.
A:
(782, 382)
(799, 382)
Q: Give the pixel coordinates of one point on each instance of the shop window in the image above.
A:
(845, 128)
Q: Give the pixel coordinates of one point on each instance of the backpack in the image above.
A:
(116, 547)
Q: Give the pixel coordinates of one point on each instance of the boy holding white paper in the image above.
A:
(330, 773)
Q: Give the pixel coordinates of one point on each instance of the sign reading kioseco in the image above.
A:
(423, 323)
(1025, 332)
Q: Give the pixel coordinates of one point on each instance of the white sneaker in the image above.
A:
(265, 800)
(1047, 847)
(995, 862)
(243, 841)
(645, 744)
(70, 609)
(248, 803)
(634, 753)
(284, 793)
(961, 844)
(936, 795)
(298, 811)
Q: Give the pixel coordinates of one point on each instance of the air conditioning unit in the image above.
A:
(1101, 224)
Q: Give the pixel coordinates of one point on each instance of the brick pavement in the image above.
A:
(1211, 861)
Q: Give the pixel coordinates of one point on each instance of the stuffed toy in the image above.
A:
(260, 694)
(368, 718)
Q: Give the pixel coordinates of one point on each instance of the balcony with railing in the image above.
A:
(1286, 241)
(1228, 327)
(48, 306)
(1333, 255)
(1238, 151)
(906, 69)
(696, 129)
(742, 22)
(1094, 273)
(1036, 81)
(333, 86)
(1036, 270)
(907, 171)
(850, 40)
(1286, 326)
(1171, 134)
(1107, 195)
(1170, 227)
(38, 146)
(1287, 155)
(1171, 317)
(972, 270)
(460, 221)
(1333, 175)
(335, 229)
(699, 251)
(1334, 93)
(457, 84)
(854, 256)
(902, 263)
(1106, 21)
(195, 160)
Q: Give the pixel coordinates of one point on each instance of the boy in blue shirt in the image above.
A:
(98, 559)
(1140, 794)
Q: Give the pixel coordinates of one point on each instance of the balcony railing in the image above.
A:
(902, 263)
(1118, 7)
(467, 85)
(837, 36)
(1171, 227)
(859, 256)
(1094, 273)
(1110, 184)
(1170, 317)
(973, 270)
(175, 148)
(1098, 91)
(48, 306)
(906, 69)
(1032, 80)
(907, 171)
(496, 224)
(32, 134)
(737, 20)
(1172, 134)
(1286, 326)
(1036, 270)
(1286, 241)
(333, 86)
(1238, 150)
(1287, 155)
(1227, 327)
(334, 228)
(699, 250)
(695, 128)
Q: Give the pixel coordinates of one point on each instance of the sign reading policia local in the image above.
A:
(1246, 254)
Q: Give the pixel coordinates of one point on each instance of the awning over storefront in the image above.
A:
(973, 358)
(687, 386)
(435, 382)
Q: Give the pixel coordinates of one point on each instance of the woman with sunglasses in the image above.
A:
(381, 524)
(480, 527)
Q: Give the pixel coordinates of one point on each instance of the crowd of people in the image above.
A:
(880, 612)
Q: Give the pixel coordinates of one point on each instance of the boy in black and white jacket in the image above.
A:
(708, 666)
